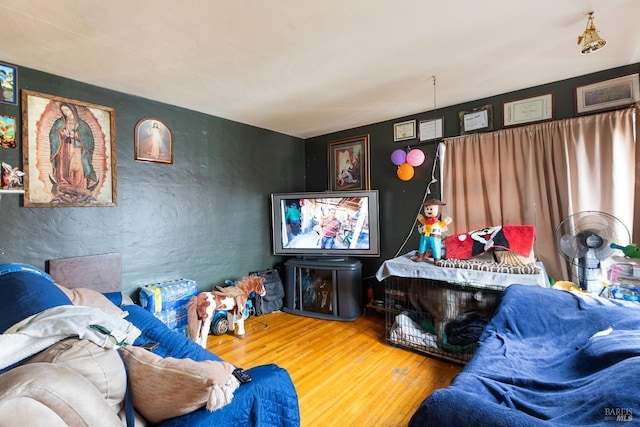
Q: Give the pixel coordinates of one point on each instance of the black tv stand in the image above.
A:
(325, 288)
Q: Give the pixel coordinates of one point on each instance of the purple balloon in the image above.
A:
(415, 157)
(398, 157)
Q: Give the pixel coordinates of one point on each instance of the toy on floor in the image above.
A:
(631, 251)
(434, 228)
(220, 322)
(232, 299)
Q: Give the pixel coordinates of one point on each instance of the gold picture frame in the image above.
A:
(153, 141)
(528, 110)
(349, 164)
(404, 130)
(608, 94)
(69, 152)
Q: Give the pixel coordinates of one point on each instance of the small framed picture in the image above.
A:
(607, 95)
(527, 110)
(9, 84)
(7, 132)
(349, 164)
(431, 129)
(404, 130)
(479, 119)
(153, 141)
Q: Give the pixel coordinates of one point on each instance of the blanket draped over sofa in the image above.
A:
(547, 357)
(37, 390)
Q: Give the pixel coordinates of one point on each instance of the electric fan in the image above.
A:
(584, 240)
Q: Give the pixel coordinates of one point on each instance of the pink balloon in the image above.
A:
(415, 157)
(398, 157)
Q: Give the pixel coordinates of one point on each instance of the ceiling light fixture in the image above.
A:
(590, 39)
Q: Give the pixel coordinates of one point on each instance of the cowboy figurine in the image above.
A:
(434, 228)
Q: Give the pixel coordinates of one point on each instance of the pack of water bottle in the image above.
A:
(174, 318)
(167, 295)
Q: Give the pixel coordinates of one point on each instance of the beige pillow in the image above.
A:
(513, 258)
(163, 388)
(126, 300)
(101, 366)
(52, 395)
(90, 298)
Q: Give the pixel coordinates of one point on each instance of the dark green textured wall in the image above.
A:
(206, 217)
(400, 200)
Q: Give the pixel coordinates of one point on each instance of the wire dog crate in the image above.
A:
(437, 318)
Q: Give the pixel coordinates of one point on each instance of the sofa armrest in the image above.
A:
(49, 394)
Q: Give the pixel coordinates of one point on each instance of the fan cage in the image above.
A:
(584, 240)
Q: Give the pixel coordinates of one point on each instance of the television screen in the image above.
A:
(325, 224)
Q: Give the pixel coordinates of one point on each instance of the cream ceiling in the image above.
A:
(311, 67)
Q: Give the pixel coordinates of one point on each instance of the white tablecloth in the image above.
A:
(402, 266)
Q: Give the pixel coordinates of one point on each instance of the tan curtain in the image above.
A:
(635, 236)
(539, 174)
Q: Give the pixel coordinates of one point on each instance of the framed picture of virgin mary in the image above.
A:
(68, 151)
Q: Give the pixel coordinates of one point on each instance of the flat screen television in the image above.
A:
(329, 224)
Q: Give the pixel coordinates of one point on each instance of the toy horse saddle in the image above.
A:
(231, 292)
(228, 291)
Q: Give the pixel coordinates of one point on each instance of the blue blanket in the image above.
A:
(547, 357)
(270, 399)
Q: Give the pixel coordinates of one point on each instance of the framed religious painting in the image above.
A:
(153, 141)
(7, 132)
(68, 151)
(8, 84)
(349, 164)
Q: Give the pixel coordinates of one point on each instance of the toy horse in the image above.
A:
(232, 299)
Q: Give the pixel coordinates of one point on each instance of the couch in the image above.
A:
(547, 357)
(76, 357)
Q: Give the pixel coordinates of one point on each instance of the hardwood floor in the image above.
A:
(343, 371)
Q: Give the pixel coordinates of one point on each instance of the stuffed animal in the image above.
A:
(631, 251)
(232, 299)
(434, 228)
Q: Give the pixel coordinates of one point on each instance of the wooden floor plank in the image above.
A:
(342, 371)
